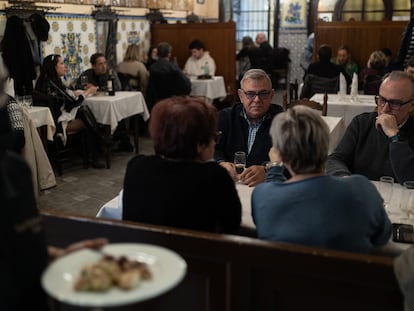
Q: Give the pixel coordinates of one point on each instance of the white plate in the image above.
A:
(167, 269)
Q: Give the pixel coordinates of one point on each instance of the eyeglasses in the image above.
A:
(217, 136)
(395, 104)
(262, 95)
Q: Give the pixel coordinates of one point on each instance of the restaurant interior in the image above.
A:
(213, 271)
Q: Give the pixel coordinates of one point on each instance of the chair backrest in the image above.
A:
(306, 102)
(124, 79)
(315, 84)
(164, 85)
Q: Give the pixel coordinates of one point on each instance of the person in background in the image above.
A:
(243, 56)
(260, 58)
(307, 54)
(350, 210)
(262, 42)
(343, 59)
(323, 68)
(180, 185)
(200, 62)
(371, 75)
(24, 251)
(392, 62)
(245, 127)
(99, 74)
(65, 106)
(16, 121)
(166, 78)
(151, 57)
(380, 143)
(134, 68)
(409, 66)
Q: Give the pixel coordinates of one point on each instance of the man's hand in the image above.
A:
(388, 123)
(253, 175)
(55, 252)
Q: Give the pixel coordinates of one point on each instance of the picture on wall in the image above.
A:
(293, 14)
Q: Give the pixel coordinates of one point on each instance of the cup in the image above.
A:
(407, 197)
(386, 185)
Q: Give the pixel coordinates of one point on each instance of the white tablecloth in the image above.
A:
(110, 110)
(336, 130)
(346, 106)
(41, 116)
(113, 210)
(209, 88)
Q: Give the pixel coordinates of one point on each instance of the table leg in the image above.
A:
(107, 152)
(135, 121)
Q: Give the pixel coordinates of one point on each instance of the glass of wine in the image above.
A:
(239, 161)
(84, 82)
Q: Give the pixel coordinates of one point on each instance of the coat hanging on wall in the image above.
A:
(17, 55)
(21, 46)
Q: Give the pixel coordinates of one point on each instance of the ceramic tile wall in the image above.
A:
(295, 41)
(76, 38)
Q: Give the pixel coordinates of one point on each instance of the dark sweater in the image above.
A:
(183, 194)
(235, 130)
(367, 151)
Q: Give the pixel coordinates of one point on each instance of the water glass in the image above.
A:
(386, 185)
(407, 197)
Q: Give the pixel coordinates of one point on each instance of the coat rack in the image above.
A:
(24, 9)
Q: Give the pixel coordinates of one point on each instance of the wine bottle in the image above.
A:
(110, 84)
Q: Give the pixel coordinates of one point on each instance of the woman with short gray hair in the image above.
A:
(312, 208)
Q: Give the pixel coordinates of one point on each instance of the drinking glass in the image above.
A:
(407, 197)
(239, 161)
(386, 185)
(84, 82)
(27, 101)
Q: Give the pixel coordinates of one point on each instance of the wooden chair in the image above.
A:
(74, 148)
(307, 102)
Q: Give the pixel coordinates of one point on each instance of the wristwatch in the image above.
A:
(273, 164)
(394, 138)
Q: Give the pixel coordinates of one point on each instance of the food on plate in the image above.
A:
(110, 271)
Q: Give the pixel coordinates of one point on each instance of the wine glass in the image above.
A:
(239, 161)
(407, 197)
(84, 82)
(386, 185)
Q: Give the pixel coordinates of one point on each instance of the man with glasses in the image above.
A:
(245, 127)
(381, 143)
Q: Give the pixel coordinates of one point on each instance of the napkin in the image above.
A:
(342, 84)
(354, 85)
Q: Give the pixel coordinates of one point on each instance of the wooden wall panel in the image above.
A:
(219, 39)
(361, 37)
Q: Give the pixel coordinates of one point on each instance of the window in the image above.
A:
(251, 17)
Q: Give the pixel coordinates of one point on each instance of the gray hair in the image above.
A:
(302, 138)
(398, 75)
(255, 74)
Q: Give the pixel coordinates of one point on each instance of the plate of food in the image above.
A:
(118, 274)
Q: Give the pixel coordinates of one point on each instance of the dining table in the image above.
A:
(337, 129)
(41, 117)
(109, 110)
(347, 106)
(209, 89)
(113, 210)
